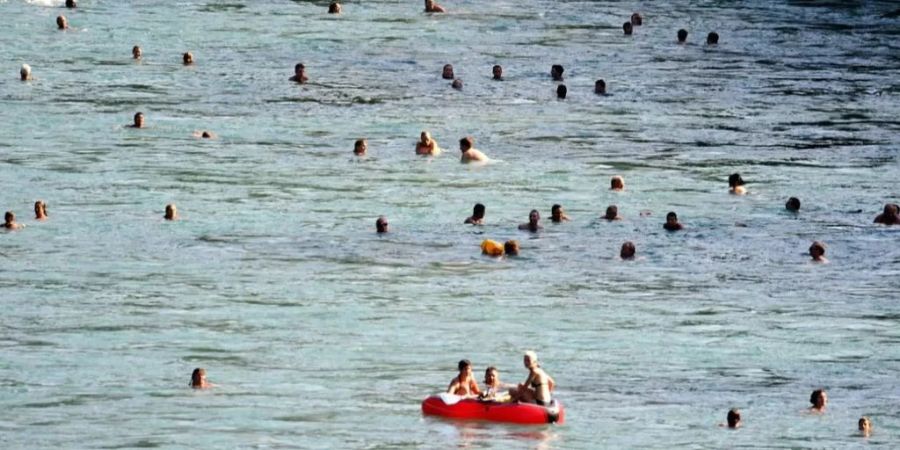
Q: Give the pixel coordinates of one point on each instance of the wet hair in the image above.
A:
(556, 71)
(864, 423)
(478, 210)
(334, 8)
(619, 179)
(511, 247)
(457, 84)
(381, 224)
(497, 67)
(816, 395)
(627, 250)
(611, 212)
(671, 215)
(627, 28)
(534, 211)
(136, 115)
(734, 417)
(466, 143)
(682, 35)
(358, 143)
(299, 66)
(444, 69)
(171, 210)
(793, 204)
(817, 246)
(25, 71)
(463, 363)
(600, 85)
(61, 22)
(637, 20)
(205, 134)
(712, 38)
(555, 208)
(70, 4)
(561, 91)
(40, 206)
(9, 216)
(735, 180)
(196, 376)
(187, 57)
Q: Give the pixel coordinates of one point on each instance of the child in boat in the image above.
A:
(494, 390)
(464, 384)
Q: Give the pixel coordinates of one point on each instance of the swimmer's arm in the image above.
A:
(550, 383)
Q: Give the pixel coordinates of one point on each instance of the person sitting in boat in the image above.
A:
(494, 390)
(464, 384)
(537, 387)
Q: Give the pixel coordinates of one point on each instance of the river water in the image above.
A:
(321, 334)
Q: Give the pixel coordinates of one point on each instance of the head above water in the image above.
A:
(139, 120)
(817, 251)
(360, 147)
(637, 20)
(381, 225)
(478, 211)
(534, 216)
(62, 23)
(734, 418)
(628, 250)
(466, 143)
(187, 58)
(561, 91)
(617, 183)
(457, 84)
(136, 52)
(334, 8)
(447, 72)
(864, 424)
(71, 4)
(171, 212)
(600, 87)
(299, 69)
(627, 28)
(671, 218)
(9, 217)
(793, 204)
(25, 72)
(40, 210)
(511, 247)
(198, 376)
(682, 35)
(818, 398)
(735, 180)
(497, 72)
(712, 38)
(612, 212)
(556, 72)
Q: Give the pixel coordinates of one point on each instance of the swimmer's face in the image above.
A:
(361, 147)
(534, 216)
(137, 53)
(188, 58)
(448, 71)
(425, 137)
(139, 121)
(671, 220)
(498, 71)
(62, 22)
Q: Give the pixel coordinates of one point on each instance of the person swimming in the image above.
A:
(627, 28)
(457, 84)
(617, 183)
(136, 52)
(427, 145)
(187, 58)
(556, 72)
(198, 379)
(612, 213)
(447, 72)
(734, 418)
(793, 204)
(493, 388)
(10, 222)
(360, 147)
(865, 426)
(464, 384)
(25, 72)
(71, 4)
(561, 91)
(511, 247)
(557, 215)
(627, 251)
(40, 210)
(533, 224)
(497, 72)
(138, 120)
(470, 154)
(204, 134)
(672, 223)
(682, 36)
(477, 217)
(62, 23)
(712, 38)
(381, 225)
(299, 74)
(819, 400)
(334, 8)
(432, 7)
(817, 252)
(637, 20)
(736, 184)
(538, 385)
(171, 212)
(600, 87)
(889, 216)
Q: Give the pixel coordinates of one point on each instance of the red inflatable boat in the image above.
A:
(472, 409)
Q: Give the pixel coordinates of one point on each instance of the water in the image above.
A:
(321, 334)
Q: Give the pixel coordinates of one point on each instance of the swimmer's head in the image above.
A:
(464, 365)
(40, 209)
(447, 72)
(457, 84)
(556, 72)
(712, 38)
(62, 22)
(497, 71)
(9, 217)
(299, 69)
(466, 143)
(556, 212)
(890, 209)
(171, 212)
(334, 8)
(793, 204)
(865, 425)
(534, 216)
(187, 58)
(817, 251)
(511, 247)
(617, 183)
(734, 418)
(198, 377)
(71, 4)
(426, 137)
(478, 211)
(628, 250)
(206, 135)
(735, 180)
(671, 218)
(360, 147)
(136, 52)
(600, 87)
(682, 35)
(139, 120)
(637, 20)
(612, 211)
(381, 225)
(818, 398)
(530, 359)
(627, 28)
(25, 72)
(561, 91)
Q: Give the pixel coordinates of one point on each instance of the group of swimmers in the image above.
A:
(535, 389)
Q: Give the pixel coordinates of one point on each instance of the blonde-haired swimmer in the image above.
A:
(25, 72)
(427, 145)
(537, 387)
(40, 210)
(617, 183)
(171, 212)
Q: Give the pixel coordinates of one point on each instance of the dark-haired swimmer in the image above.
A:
(672, 223)
(497, 72)
(187, 58)
(617, 183)
(733, 418)
(561, 92)
(556, 72)
(205, 134)
(25, 72)
(71, 4)
(511, 247)
(427, 145)
(432, 7)
(865, 426)
(736, 184)
(470, 154)
(457, 84)
(682, 36)
(360, 147)
(600, 87)
(819, 400)
(381, 225)
(334, 8)
(447, 72)
(712, 38)
(62, 23)
(637, 20)
(171, 212)
(138, 120)
(793, 204)
(477, 217)
(890, 215)
(464, 384)
(533, 224)
(136, 52)
(612, 213)
(627, 28)
(10, 222)
(198, 379)
(299, 74)
(557, 215)
(627, 251)
(817, 252)
(40, 210)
